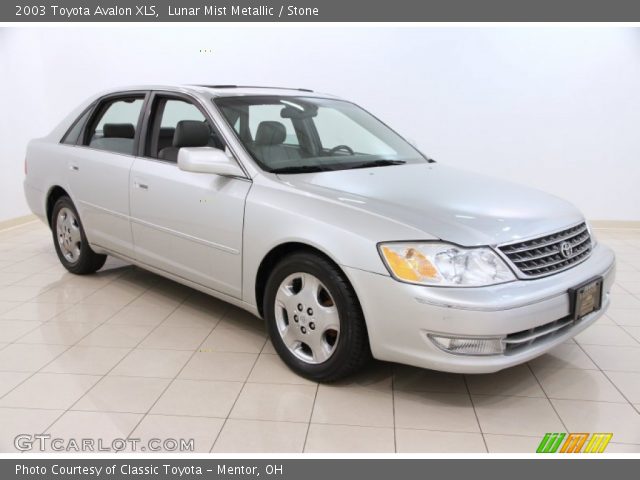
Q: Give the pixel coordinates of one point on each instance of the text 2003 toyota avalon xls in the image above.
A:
(308, 211)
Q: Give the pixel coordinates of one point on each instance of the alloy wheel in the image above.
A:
(68, 234)
(307, 318)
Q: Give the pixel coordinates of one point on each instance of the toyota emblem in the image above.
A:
(566, 249)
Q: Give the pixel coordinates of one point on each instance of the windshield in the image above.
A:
(306, 134)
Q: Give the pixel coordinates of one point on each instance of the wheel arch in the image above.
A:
(55, 193)
(277, 253)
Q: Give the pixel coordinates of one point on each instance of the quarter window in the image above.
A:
(71, 137)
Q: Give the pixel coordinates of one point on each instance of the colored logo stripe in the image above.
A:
(550, 443)
(598, 442)
(574, 443)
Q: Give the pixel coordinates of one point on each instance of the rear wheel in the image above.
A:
(314, 318)
(70, 241)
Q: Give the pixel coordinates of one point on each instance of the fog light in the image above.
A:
(469, 345)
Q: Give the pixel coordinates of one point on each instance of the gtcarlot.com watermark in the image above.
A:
(47, 443)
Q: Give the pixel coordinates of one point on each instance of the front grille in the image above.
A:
(525, 338)
(551, 253)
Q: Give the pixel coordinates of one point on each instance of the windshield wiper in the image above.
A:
(300, 169)
(377, 163)
(318, 168)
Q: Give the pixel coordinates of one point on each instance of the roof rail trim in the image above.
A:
(253, 86)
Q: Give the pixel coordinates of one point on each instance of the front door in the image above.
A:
(188, 224)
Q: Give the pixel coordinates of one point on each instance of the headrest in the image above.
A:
(191, 133)
(270, 133)
(167, 132)
(118, 130)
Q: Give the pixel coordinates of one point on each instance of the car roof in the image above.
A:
(227, 90)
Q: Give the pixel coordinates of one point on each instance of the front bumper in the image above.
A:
(400, 316)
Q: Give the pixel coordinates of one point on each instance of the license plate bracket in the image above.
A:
(586, 298)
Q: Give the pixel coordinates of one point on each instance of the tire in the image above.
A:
(70, 241)
(314, 318)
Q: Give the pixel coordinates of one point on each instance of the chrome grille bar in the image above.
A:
(551, 253)
(536, 244)
(530, 335)
(516, 341)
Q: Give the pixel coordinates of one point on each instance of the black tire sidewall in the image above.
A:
(308, 263)
(87, 260)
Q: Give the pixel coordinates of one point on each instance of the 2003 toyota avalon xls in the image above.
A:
(309, 212)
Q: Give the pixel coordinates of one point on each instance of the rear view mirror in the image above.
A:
(208, 160)
(298, 114)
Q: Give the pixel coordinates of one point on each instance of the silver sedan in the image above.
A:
(311, 213)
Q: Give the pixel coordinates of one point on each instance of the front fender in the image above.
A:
(276, 214)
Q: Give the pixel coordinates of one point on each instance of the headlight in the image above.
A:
(444, 264)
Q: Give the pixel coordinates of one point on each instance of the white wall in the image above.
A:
(24, 113)
(556, 108)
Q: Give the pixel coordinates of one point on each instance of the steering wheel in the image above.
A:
(342, 147)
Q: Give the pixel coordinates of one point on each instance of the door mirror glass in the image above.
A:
(208, 160)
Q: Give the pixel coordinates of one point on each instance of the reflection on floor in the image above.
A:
(127, 354)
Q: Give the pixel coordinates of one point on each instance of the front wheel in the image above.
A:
(70, 241)
(314, 318)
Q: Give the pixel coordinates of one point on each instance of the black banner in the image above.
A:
(316, 469)
(319, 11)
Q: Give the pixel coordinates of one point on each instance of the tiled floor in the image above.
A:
(125, 353)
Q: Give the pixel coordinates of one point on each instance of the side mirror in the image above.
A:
(208, 160)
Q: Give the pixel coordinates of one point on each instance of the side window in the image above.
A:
(177, 123)
(270, 113)
(176, 110)
(114, 129)
(71, 137)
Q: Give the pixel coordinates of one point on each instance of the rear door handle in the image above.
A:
(73, 167)
(142, 186)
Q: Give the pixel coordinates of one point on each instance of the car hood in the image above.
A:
(443, 202)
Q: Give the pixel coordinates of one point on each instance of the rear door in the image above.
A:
(188, 224)
(99, 173)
